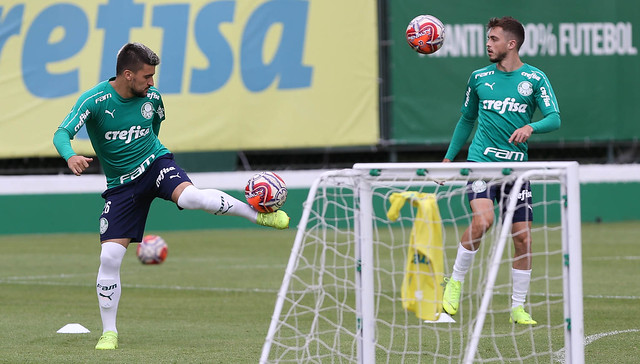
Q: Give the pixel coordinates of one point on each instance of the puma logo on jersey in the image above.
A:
(110, 113)
(177, 175)
(490, 85)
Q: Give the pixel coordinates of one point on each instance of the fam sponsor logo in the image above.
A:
(504, 154)
(103, 98)
(135, 132)
(502, 106)
(225, 206)
(138, 170)
(483, 74)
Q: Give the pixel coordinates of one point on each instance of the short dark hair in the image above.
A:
(509, 25)
(132, 56)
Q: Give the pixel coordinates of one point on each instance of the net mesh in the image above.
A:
(320, 320)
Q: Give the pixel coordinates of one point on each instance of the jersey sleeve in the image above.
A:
(62, 142)
(159, 116)
(544, 95)
(469, 108)
(547, 124)
(460, 135)
(80, 113)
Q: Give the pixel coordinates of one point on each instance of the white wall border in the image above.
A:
(62, 184)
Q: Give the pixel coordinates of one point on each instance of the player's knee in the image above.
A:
(193, 198)
(482, 222)
(110, 260)
(211, 200)
(522, 243)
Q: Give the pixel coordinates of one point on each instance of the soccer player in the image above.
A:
(502, 97)
(123, 117)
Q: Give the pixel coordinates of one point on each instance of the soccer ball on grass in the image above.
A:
(266, 192)
(425, 34)
(152, 250)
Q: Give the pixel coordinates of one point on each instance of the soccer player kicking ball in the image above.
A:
(123, 117)
(502, 97)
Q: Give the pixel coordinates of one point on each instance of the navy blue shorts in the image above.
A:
(495, 192)
(127, 206)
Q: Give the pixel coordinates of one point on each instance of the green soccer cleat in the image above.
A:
(108, 341)
(520, 316)
(451, 296)
(278, 219)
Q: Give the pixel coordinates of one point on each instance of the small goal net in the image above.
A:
(365, 277)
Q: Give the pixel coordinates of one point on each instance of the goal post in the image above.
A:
(340, 298)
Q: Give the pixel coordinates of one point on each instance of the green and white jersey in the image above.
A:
(123, 132)
(503, 102)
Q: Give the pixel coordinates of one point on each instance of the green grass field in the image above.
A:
(212, 300)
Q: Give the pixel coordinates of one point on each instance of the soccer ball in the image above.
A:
(266, 192)
(152, 250)
(425, 34)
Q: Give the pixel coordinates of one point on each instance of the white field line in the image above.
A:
(612, 258)
(28, 281)
(560, 355)
(47, 280)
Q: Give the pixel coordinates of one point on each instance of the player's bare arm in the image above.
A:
(521, 135)
(78, 164)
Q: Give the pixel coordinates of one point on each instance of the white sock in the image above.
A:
(521, 280)
(108, 283)
(215, 202)
(464, 258)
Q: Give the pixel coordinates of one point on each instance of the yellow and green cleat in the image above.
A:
(451, 296)
(108, 341)
(278, 219)
(520, 316)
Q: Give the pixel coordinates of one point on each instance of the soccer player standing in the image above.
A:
(123, 117)
(502, 97)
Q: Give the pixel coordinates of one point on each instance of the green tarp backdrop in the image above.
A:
(589, 51)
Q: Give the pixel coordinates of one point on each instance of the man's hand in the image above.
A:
(446, 160)
(521, 135)
(77, 164)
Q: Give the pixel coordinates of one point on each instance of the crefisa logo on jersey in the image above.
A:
(525, 88)
(147, 110)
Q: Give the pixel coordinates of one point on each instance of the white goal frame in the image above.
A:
(566, 172)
